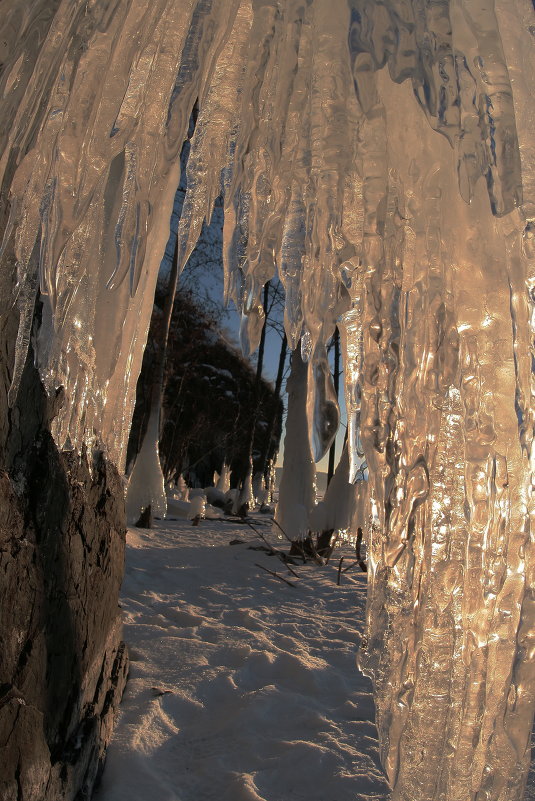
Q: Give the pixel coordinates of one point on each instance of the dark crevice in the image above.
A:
(20, 791)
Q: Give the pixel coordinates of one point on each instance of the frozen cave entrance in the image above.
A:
(379, 156)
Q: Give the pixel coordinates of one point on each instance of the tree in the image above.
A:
(267, 454)
(258, 458)
(336, 379)
(209, 400)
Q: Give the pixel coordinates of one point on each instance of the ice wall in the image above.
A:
(380, 153)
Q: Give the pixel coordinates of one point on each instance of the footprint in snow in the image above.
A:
(230, 656)
(184, 618)
(262, 669)
(243, 618)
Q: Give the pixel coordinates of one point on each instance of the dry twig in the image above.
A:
(272, 573)
(282, 556)
(296, 544)
(339, 571)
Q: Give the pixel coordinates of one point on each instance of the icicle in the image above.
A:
(210, 146)
(251, 330)
(322, 404)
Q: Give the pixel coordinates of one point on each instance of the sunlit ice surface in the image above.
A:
(380, 156)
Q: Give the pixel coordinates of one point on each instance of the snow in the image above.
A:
(241, 687)
(218, 371)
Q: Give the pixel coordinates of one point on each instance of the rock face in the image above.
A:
(62, 662)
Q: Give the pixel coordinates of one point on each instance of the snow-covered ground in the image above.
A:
(242, 688)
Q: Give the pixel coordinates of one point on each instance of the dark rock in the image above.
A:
(145, 518)
(62, 662)
(304, 548)
(325, 542)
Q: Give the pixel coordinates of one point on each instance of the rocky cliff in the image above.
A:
(63, 664)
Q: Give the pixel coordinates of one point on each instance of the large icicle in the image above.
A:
(443, 437)
(380, 156)
(91, 154)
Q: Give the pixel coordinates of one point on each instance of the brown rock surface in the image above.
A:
(62, 662)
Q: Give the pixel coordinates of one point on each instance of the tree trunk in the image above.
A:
(259, 369)
(161, 350)
(336, 379)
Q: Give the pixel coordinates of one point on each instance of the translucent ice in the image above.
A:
(146, 483)
(380, 154)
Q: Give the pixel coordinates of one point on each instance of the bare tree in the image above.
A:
(266, 456)
(336, 380)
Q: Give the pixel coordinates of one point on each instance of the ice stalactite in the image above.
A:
(100, 96)
(444, 432)
(380, 156)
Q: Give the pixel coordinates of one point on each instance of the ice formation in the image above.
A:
(297, 490)
(146, 485)
(343, 507)
(381, 154)
(223, 480)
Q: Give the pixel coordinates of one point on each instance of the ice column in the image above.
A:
(446, 423)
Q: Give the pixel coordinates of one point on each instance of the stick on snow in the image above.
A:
(272, 573)
(282, 556)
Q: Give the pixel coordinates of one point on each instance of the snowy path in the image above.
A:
(241, 687)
